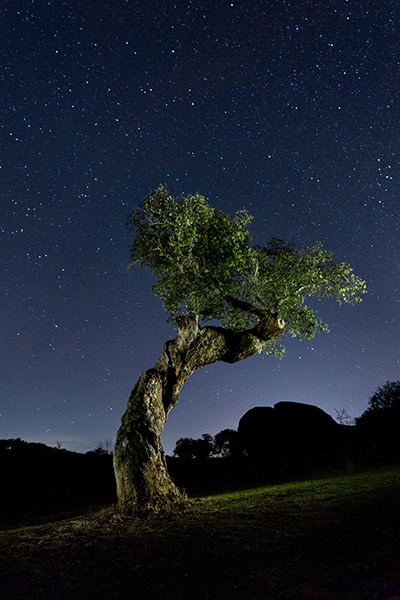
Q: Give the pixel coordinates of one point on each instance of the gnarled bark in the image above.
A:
(143, 482)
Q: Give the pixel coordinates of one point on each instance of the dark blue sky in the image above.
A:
(289, 109)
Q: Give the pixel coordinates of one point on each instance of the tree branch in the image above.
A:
(244, 306)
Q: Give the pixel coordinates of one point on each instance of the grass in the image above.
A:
(334, 538)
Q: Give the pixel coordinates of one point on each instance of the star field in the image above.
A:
(289, 109)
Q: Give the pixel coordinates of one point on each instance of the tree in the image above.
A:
(206, 269)
(227, 443)
(189, 449)
(204, 447)
(343, 417)
(381, 420)
(184, 448)
(386, 398)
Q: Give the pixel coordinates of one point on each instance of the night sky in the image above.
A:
(288, 109)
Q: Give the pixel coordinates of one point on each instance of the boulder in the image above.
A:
(287, 426)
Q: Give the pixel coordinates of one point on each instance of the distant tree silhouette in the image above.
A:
(343, 417)
(200, 449)
(16, 447)
(184, 448)
(104, 447)
(386, 397)
(204, 446)
(381, 420)
(227, 443)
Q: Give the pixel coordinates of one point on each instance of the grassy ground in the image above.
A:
(328, 539)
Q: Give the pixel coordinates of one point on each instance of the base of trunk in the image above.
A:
(143, 482)
(146, 489)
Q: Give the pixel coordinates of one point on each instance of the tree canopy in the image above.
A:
(204, 263)
(383, 406)
(386, 397)
(225, 444)
(381, 420)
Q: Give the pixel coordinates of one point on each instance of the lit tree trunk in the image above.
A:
(143, 482)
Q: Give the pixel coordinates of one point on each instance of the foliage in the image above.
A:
(198, 254)
(382, 417)
(201, 449)
(386, 397)
(286, 276)
(225, 443)
(203, 262)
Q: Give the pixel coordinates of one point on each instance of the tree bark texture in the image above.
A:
(143, 482)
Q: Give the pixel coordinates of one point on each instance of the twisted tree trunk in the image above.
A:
(143, 482)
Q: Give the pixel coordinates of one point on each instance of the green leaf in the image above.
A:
(204, 262)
